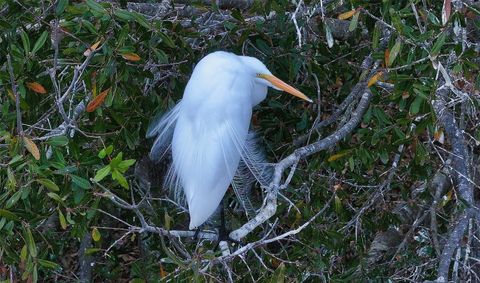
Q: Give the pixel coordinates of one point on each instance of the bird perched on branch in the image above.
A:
(208, 130)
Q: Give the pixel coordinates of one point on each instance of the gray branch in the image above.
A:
(270, 204)
(461, 173)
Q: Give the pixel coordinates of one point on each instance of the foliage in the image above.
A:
(52, 194)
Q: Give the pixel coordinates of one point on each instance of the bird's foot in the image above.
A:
(224, 235)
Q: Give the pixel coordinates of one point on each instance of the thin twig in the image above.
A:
(17, 96)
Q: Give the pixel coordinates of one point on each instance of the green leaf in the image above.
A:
(24, 253)
(438, 44)
(15, 159)
(125, 164)
(115, 161)
(81, 182)
(48, 264)
(123, 15)
(94, 6)
(30, 242)
(40, 42)
(168, 220)
(102, 173)
(394, 52)
(116, 175)
(61, 5)
(35, 274)
(106, 151)
(8, 214)
(376, 37)
(279, 274)
(102, 153)
(354, 22)
(89, 251)
(139, 18)
(58, 141)
(13, 200)
(55, 197)
(12, 182)
(338, 205)
(49, 185)
(167, 40)
(415, 106)
(25, 41)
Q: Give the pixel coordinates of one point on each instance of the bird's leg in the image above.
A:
(195, 236)
(223, 233)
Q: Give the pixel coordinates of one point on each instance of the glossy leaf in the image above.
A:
(30, 242)
(40, 42)
(102, 173)
(50, 185)
(61, 5)
(94, 6)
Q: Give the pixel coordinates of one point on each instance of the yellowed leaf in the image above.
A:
(92, 48)
(387, 57)
(336, 156)
(36, 87)
(31, 147)
(446, 198)
(131, 57)
(96, 236)
(94, 84)
(347, 15)
(10, 94)
(373, 80)
(163, 273)
(97, 101)
(63, 221)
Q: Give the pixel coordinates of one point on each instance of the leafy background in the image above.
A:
(51, 209)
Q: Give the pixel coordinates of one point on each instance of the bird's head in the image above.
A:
(263, 76)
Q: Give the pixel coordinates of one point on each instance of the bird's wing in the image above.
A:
(162, 126)
(205, 149)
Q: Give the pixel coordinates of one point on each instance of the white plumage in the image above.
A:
(208, 129)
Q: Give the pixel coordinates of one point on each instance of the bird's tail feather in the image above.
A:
(162, 126)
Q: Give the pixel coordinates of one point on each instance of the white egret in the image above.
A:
(207, 130)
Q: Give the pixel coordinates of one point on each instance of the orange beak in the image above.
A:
(284, 86)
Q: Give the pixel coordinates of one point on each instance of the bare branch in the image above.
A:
(270, 204)
(17, 96)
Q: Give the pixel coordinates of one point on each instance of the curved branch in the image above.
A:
(461, 173)
(270, 204)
